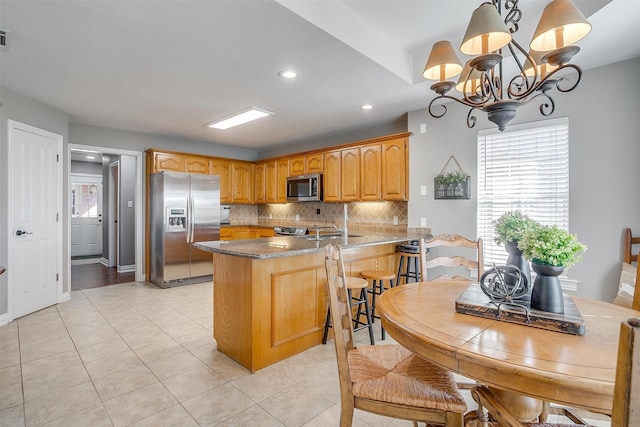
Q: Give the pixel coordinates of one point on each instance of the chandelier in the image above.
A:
(539, 70)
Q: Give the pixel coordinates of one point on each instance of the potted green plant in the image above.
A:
(550, 250)
(509, 229)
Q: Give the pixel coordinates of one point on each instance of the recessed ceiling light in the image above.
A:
(244, 116)
(287, 74)
(366, 107)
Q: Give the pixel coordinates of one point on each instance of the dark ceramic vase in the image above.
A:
(547, 292)
(516, 258)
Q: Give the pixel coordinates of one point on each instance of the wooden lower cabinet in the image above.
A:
(266, 310)
(239, 232)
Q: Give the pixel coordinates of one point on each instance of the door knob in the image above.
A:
(20, 232)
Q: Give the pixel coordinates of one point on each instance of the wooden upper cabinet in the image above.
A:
(314, 163)
(271, 182)
(259, 195)
(332, 177)
(350, 171)
(370, 178)
(195, 164)
(222, 168)
(168, 162)
(297, 166)
(283, 173)
(242, 178)
(395, 174)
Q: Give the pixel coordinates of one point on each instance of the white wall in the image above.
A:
(14, 106)
(604, 168)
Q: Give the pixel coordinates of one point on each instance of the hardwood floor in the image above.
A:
(87, 276)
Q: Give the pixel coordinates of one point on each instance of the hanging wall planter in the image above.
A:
(452, 185)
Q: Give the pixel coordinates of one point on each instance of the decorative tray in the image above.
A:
(474, 302)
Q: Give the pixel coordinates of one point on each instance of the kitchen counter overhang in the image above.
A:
(284, 246)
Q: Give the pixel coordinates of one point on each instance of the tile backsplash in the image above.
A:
(379, 214)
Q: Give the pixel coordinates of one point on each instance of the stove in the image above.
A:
(290, 231)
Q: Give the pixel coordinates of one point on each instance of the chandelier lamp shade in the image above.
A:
(539, 68)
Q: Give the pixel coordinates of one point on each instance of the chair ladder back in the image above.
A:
(626, 411)
(340, 316)
(629, 241)
(450, 240)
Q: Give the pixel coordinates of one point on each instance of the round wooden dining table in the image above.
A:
(577, 371)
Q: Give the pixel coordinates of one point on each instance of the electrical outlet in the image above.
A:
(423, 221)
(297, 217)
(423, 190)
(318, 211)
(395, 220)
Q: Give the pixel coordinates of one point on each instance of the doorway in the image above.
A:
(110, 269)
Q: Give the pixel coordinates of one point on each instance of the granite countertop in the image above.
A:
(283, 246)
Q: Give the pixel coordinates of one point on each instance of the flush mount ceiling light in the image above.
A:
(481, 82)
(366, 107)
(241, 117)
(287, 74)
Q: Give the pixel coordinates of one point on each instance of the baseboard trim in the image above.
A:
(104, 262)
(4, 319)
(126, 268)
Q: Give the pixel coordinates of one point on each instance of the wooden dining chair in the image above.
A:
(387, 380)
(429, 257)
(626, 395)
(629, 242)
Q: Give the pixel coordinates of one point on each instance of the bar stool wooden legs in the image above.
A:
(362, 308)
(377, 279)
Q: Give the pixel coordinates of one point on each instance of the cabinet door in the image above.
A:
(314, 163)
(332, 176)
(283, 173)
(242, 182)
(266, 232)
(351, 175)
(240, 233)
(226, 233)
(195, 164)
(259, 195)
(370, 188)
(395, 169)
(169, 162)
(297, 166)
(271, 182)
(222, 168)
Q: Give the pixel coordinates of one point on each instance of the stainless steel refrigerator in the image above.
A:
(185, 208)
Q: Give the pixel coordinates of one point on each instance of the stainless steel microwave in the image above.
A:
(304, 188)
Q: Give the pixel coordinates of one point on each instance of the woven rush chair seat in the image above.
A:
(386, 380)
(391, 373)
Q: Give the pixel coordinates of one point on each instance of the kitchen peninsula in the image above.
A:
(269, 294)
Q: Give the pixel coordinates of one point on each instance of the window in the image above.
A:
(525, 168)
(84, 200)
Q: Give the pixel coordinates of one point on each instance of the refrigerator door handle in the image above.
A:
(188, 219)
(192, 220)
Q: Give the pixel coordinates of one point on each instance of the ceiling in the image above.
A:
(170, 67)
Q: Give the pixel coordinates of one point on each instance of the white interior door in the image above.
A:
(35, 194)
(86, 215)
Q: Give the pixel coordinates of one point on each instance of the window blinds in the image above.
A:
(526, 169)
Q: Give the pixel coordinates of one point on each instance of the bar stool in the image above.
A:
(363, 308)
(411, 254)
(377, 278)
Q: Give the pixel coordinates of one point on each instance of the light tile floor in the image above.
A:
(134, 354)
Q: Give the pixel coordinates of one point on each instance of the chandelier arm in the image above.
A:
(471, 119)
(444, 107)
(546, 107)
(565, 79)
(519, 81)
